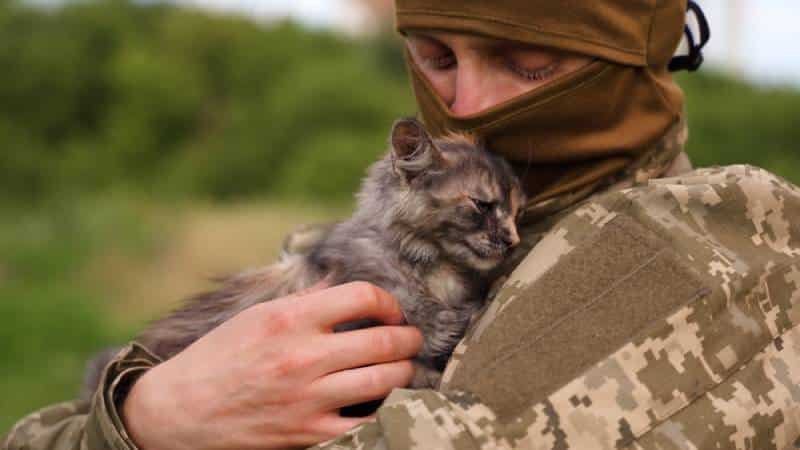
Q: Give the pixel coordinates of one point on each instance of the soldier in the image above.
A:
(651, 306)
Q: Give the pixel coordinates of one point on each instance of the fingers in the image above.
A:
(335, 425)
(353, 386)
(328, 426)
(350, 302)
(367, 347)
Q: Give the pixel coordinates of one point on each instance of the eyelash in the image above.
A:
(448, 61)
(533, 75)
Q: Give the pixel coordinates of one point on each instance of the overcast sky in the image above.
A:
(312, 12)
(768, 36)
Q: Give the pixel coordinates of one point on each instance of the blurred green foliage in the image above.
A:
(172, 100)
(733, 122)
(53, 323)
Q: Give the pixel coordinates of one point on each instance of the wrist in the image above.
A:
(141, 416)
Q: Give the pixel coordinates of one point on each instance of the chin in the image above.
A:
(482, 258)
(486, 263)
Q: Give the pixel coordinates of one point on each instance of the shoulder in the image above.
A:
(741, 209)
(738, 213)
(720, 190)
(652, 315)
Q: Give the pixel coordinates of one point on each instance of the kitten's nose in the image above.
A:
(510, 237)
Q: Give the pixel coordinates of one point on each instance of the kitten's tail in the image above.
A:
(202, 313)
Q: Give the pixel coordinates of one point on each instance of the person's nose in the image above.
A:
(471, 89)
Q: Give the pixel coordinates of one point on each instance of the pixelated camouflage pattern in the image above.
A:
(720, 371)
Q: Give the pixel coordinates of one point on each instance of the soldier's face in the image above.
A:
(472, 73)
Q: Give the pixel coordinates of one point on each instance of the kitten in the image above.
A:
(434, 217)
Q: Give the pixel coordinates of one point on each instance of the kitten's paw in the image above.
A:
(454, 320)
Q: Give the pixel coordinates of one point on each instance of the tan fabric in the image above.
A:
(665, 156)
(630, 32)
(582, 127)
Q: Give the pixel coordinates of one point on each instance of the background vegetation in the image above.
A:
(145, 146)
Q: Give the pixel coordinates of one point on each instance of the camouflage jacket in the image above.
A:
(661, 315)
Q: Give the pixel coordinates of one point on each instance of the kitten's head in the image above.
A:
(455, 194)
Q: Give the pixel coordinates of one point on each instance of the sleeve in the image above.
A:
(94, 425)
(661, 316)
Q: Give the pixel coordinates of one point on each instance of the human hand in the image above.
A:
(275, 375)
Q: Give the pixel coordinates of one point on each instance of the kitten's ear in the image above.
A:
(413, 150)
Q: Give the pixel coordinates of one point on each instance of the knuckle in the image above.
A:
(290, 365)
(278, 321)
(374, 298)
(367, 292)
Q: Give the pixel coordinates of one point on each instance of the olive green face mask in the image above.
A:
(582, 127)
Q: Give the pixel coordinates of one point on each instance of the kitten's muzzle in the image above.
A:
(509, 236)
(509, 241)
(506, 240)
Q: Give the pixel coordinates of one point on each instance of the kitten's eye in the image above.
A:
(482, 206)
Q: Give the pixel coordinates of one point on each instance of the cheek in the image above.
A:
(443, 83)
(495, 88)
(505, 87)
(464, 219)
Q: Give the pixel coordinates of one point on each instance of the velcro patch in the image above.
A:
(594, 300)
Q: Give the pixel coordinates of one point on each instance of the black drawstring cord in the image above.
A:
(694, 59)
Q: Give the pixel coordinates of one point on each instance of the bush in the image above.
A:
(733, 122)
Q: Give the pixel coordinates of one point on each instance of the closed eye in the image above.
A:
(482, 206)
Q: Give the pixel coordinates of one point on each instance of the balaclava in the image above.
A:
(586, 126)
